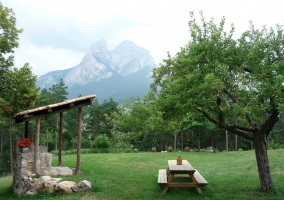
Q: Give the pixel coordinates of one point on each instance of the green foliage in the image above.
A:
(96, 122)
(101, 142)
(17, 86)
(9, 37)
(59, 92)
(272, 145)
(223, 78)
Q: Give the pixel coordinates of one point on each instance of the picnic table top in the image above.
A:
(185, 167)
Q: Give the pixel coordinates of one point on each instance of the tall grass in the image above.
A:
(231, 175)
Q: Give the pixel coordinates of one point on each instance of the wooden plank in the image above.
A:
(173, 166)
(162, 177)
(199, 178)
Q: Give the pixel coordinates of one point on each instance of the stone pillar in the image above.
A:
(23, 183)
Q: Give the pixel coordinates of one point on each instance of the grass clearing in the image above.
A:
(231, 175)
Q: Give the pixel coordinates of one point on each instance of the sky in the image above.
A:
(58, 33)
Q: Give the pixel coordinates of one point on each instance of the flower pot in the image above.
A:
(24, 150)
(153, 149)
(170, 149)
(179, 160)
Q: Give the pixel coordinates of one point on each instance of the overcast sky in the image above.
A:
(58, 33)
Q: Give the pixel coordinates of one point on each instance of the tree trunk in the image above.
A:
(198, 141)
(182, 140)
(266, 182)
(227, 141)
(236, 142)
(11, 153)
(175, 144)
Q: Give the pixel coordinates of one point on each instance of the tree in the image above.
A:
(18, 90)
(17, 86)
(229, 80)
(59, 92)
(8, 40)
(195, 122)
(97, 123)
(137, 120)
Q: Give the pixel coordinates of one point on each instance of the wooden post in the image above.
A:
(36, 145)
(79, 141)
(60, 139)
(26, 129)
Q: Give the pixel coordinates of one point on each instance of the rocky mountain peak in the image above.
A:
(126, 60)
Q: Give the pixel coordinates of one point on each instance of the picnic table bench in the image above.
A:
(190, 177)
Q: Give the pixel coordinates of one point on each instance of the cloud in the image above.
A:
(46, 59)
(69, 27)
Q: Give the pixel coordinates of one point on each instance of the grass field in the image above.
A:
(231, 175)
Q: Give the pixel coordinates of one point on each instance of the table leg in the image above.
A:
(170, 180)
(195, 183)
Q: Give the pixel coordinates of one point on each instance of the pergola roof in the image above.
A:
(43, 111)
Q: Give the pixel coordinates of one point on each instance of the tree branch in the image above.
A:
(246, 134)
(207, 116)
(230, 95)
(220, 112)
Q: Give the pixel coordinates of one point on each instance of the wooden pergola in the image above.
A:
(44, 111)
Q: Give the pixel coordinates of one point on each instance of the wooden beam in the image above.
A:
(78, 166)
(36, 146)
(30, 117)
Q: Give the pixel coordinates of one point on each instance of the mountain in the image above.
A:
(119, 74)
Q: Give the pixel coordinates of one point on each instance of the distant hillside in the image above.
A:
(119, 74)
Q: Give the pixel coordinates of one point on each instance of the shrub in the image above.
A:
(101, 142)
(272, 145)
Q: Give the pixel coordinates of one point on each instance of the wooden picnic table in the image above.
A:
(186, 175)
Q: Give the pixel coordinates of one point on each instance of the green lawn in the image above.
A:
(231, 175)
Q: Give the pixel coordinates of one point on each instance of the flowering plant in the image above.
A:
(24, 143)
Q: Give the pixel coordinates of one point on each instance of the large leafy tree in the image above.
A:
(18, 90)
(17, 86)
(228, 80)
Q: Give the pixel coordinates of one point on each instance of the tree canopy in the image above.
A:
(17, 86)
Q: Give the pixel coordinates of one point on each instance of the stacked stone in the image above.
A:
(25, 184)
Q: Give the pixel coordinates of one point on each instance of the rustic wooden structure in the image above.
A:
(191, 177)
(44, 111)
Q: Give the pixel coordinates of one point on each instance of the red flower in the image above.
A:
(24, 143)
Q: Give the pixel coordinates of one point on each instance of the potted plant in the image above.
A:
(24, 145)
